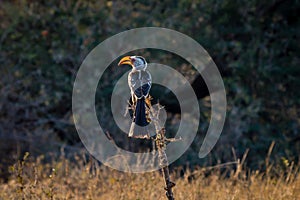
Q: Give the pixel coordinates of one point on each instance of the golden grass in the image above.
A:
(86, 180)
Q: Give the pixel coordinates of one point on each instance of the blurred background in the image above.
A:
(255, 45)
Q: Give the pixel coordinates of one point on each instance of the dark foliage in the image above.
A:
(255, 44)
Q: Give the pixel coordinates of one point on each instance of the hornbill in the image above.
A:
(139, 81)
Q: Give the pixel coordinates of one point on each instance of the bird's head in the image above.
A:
(136, 62)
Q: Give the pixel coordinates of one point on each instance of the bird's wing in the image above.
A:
(146, 82)
(139, 83)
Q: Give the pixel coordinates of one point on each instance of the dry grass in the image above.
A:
(31, 179)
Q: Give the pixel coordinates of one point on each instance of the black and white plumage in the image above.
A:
(139, 82)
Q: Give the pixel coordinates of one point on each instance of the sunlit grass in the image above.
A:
(62, 179)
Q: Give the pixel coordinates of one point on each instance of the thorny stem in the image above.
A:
(163, 162)
(161, 141)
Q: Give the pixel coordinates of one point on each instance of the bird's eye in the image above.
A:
(133, 59)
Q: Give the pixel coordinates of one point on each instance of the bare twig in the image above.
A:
(160, 142)
(163, 162)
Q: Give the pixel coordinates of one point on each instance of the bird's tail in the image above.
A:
(141, 119)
